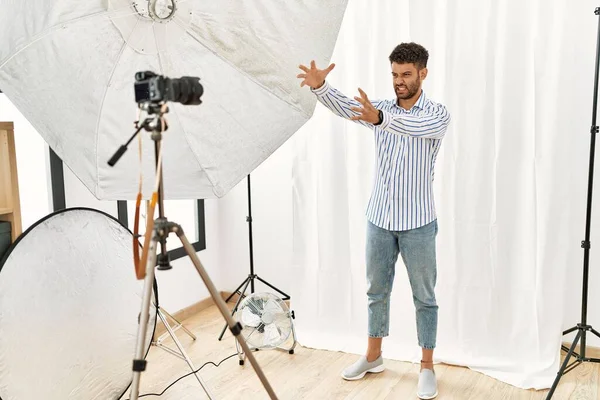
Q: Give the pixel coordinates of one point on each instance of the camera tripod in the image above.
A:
(583, 328)
(157, 231)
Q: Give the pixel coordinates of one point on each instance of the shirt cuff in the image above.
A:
(322, 90)
(386, 121)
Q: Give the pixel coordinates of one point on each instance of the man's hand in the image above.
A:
(367, 112)
(313, 77)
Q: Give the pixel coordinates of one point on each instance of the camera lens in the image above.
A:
(150, 87)
(188, 90)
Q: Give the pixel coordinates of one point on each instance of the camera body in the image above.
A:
(153, 88)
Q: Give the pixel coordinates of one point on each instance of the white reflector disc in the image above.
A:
(69, 305)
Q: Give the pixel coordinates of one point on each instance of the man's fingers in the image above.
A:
(313, 65)
(356, 118)
(360, 100)
(302, 83)
(358, 109)
(363, 94)
(301, 76)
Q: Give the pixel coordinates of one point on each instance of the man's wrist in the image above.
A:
(320, 86)
(321, 90)
(380, 120)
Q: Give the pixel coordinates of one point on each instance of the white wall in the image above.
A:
(271, 198)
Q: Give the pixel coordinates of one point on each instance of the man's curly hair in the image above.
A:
(406, 53)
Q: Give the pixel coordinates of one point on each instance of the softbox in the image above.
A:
(69, 67)
(69, 308)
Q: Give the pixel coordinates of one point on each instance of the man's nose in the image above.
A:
(399, 81)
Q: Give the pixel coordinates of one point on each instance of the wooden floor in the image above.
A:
(314, 374)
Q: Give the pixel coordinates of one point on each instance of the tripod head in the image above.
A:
(152, 124)
(152, 93)
(156, 112)
(156, 124)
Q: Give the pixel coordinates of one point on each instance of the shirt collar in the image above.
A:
(421, 101)
(420, 104)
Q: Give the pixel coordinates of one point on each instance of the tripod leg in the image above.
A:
(185, 357)
(564, 365)
(240, 353)
(139, 363)
(595, 332)
(285, 296)
(238, 289)
(573, 329)
(237, 304)
(234, 326)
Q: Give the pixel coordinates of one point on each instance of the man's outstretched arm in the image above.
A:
(431, 123)
(340, 104)
(333, 99)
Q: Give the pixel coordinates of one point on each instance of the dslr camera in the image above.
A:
(153, 88)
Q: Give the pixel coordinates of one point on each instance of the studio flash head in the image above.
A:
(153, 88)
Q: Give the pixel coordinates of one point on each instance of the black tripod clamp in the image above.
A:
(150, 124)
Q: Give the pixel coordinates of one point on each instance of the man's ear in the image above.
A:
(423, 73)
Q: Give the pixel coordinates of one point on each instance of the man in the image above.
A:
(401, 211)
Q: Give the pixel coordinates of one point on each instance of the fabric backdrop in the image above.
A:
(510, 181)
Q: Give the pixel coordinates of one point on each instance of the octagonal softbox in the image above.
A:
(69, 67)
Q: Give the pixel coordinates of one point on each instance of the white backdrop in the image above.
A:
(510, 182)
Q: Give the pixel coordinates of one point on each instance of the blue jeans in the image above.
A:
(417, 247)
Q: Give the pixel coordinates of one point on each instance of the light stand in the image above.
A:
(165, 317)
(180, 352)
(252, 276)
(583, 328)
(160, 230)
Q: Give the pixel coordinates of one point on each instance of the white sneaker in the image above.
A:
(427, 388)
(360, 368)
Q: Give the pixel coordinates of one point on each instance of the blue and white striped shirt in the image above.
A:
(407, 143)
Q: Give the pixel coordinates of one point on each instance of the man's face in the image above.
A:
(407, 80)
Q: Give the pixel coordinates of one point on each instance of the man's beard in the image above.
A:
(412, 89)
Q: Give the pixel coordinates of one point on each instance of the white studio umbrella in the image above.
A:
(69, 67)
